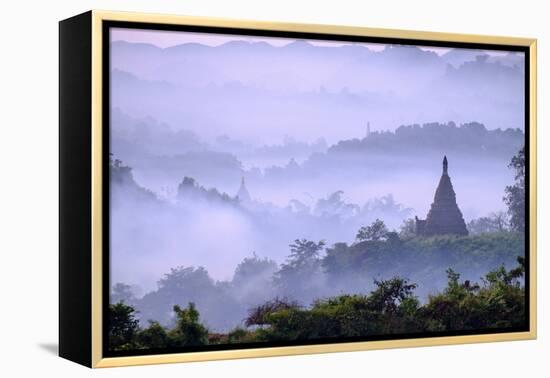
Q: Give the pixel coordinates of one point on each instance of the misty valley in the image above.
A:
(236, 264)
(270, 192)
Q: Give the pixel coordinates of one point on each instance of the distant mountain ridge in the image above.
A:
(268, 58)
(457, 57)
(471, 138)
(240, 86)
(201, 63)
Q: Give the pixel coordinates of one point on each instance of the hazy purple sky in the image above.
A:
(164, 39)
(404, 90)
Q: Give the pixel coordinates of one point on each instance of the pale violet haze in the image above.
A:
(328, 136)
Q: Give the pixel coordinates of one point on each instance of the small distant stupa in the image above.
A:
(243, 194)
(444, 217)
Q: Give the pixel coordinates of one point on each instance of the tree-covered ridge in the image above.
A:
(515, 194)
(497, 302)
(313, 271)
(419, 254)
(178, 153)
(470, 137)
(120, 175)
(190, 189)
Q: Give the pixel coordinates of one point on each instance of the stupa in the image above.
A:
(243, 194)
(444, 217)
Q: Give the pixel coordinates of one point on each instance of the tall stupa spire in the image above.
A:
(243, 194)
(444, 216)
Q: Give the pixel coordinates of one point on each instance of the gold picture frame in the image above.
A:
(89, 329)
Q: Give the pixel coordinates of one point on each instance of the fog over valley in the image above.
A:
(231, 162)
(237, 88)
(327, 195)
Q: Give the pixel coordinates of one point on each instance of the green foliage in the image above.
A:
(187, 278)
(425, 259)
(239, 335)
(304, 251)
(407, 229)
(188, 330)
(303, 261)
(498, 303)
(514, 196)
(183, 285)
(376, 231)
(125, 333)
(252, 281)
(391, 308)
(258, 315)
(495, 222)
(123, 326)
(154, 336)
(389, 294)
(252, 268)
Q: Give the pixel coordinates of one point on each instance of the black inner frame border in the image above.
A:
(107, 25)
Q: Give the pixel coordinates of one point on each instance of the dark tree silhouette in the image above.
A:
(154, 336)
(303, 261)
(188, 331)
(123, 326)
(515, 194)
(376, 231)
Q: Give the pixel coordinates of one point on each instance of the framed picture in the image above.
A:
(234, 189)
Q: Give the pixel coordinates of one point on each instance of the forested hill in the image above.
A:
(313, 271)
(214, 162)
(412, 155)
(469, 138)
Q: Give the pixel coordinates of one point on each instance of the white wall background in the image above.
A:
(29, 174)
